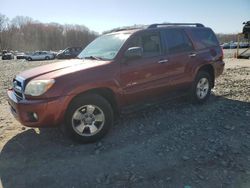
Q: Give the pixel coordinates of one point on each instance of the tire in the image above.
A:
(201, 87)
(88, 118)
(29, 59)
(47, 58)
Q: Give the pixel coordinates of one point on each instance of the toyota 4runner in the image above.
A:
(118, 69)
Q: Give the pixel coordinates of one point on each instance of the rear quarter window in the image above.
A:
(204, 38)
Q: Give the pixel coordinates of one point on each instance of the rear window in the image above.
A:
(204, 38)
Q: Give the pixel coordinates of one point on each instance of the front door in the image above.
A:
(143, 77)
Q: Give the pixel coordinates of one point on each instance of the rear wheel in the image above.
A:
(201, 88)
(88, 118)
(29, 59)
(47, 58)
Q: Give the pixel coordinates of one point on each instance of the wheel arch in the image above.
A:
(106, 93)
(209, 69)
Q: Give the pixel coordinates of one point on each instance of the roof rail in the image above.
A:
(125, 28)
(173, 24)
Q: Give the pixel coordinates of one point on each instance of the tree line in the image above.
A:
(25, 34)
(226, 38)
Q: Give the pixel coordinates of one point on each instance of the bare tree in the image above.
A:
(3, 26)
(25, 34)
(19, 21)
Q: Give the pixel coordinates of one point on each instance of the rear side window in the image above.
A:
(204, 38)
(177, 41)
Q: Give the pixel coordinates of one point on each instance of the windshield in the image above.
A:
(105, 47)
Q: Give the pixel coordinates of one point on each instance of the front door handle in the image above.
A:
(163, 61)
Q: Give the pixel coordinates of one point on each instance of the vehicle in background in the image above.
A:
(230, 45)
(7, 55)
(69, 53)
(243, 45)
(233, 45)
(40, 55)
(225, 46)
(246, 30)
(54, 53)
(20, 55)
(4, 52)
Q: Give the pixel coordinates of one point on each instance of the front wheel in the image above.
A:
(201, 88)
(88, 118)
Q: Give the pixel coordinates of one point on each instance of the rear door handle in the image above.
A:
(192, 55)
(163, 61)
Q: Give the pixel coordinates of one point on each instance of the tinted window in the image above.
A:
(150, 43)
(177, 41)
(135, 42)
(204, 38)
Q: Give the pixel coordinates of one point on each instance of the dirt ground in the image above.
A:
(175, 144)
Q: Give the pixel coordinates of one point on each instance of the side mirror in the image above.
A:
(134, 52)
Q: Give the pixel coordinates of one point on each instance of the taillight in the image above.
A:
(222, 54)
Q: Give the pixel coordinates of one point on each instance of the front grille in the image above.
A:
(18, 87)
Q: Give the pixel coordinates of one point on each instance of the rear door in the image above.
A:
(43, 55)
(180, 55)
(36, 56)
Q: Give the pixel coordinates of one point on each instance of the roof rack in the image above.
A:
(125, 28)
(174, 24)
(151, 26)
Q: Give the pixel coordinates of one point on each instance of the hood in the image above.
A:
(61, 68)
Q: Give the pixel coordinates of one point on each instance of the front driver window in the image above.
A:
(150, 43)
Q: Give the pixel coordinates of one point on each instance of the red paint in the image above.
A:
(130, 81)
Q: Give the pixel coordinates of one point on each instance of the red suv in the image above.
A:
(118, 69)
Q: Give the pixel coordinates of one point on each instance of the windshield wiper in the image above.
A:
(93, 57)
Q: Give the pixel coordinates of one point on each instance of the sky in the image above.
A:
(223, 16)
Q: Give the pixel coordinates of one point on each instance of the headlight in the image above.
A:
(38, 87)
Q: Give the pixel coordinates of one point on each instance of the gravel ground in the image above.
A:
(175, 144)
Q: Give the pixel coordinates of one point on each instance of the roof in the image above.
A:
(152, 26)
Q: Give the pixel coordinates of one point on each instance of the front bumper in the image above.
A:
(50, 111)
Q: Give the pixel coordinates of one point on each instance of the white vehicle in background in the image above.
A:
(230, 45)
(40, 55)
(233, 45)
